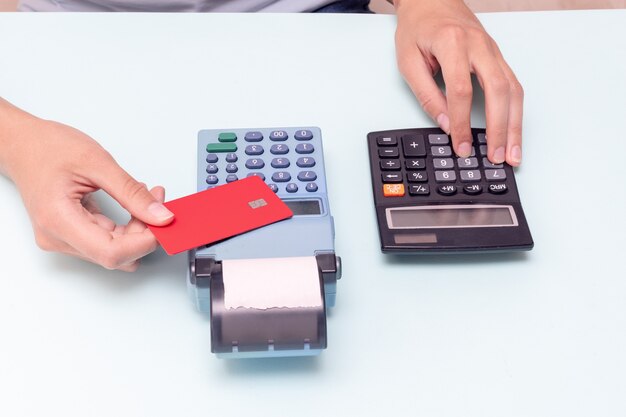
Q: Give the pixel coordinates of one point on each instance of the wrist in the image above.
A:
(14, 126)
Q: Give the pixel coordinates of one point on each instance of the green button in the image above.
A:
(227, 137)
(221, 147)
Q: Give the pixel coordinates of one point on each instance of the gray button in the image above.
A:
(291, 187)
(495, 174)
(305, 162)
(304, 148)
(441, 150)
(443, 163)
(438, 139)
(311, 187)
(483, 150)
(303, 135)
(273, 187)
(211, 158)
(307, 176)
(470, 175)
(254, 150)
(231, 157)
(256, 174)
(253, 137)
(488, 164)
(281, 176)
(482, 138)
(212, 168)
(279, 135)
(211, 179)
(280, 163)
(445, 176)
(231, 178)
(231, 168)
(255, 163)
(467, 162)
(279, 149)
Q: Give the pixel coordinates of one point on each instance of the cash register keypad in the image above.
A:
(286, 159)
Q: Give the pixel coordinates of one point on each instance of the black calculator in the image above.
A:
(429, 200)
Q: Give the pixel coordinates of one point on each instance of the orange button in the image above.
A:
(393, 190)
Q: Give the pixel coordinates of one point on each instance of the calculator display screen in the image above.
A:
(304, 207)
(423, 217)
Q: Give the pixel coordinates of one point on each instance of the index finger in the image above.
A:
(456, 75)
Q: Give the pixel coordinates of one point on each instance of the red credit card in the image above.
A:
(219, 213)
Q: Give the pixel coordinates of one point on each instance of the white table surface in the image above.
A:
(528, 334)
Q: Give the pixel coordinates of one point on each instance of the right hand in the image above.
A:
(56, 169)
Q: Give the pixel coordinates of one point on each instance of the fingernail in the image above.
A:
(516, 154)
(498, 155)
(159, 211)
(465, 149)
(444, 122)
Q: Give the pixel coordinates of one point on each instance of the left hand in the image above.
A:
(445, 35)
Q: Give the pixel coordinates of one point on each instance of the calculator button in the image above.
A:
(392, 177)
(482, 138)
(386, 141)
(307, 176)
(305, 162)
(415, 163)
(253, 136)
(212, 158)
(393, 190)
(473, 189)
(212, 169)
(483, 150)
(231, 157)
(421, 189)
(304, 148)
(303, 135)
(281, 176)
(390, 165)
(227, 137)
(211, 179)
(255, 163)
(256, 174)
(273, 187)
(447, 189)
(388, 153)
(221, 147)
(311, 187)
(495, 175)
(488, 164)
(278, 135)
(254, 150)
(467, 162)
(413, 145)
(279, 149)
(291, 187)
(470, 175)
(438, 139)
(498, 188)
(443, 163)
(280, 163)
(231, 178)
(231, 168)
(441, 151)
(417, 176)
(445, 176)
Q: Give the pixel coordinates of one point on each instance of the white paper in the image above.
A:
(271, 283)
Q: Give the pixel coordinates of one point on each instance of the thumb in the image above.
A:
(132, 195)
